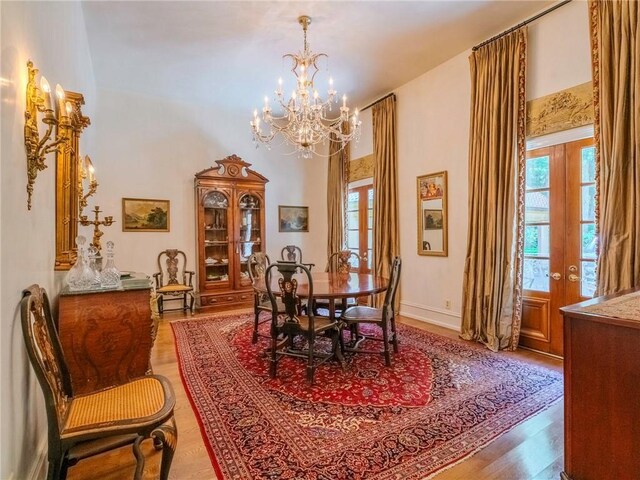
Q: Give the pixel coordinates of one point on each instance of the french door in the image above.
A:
(559, 244)
(360, 226)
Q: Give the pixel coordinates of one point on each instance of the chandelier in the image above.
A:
(304, 120)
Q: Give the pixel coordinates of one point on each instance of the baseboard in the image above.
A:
(39, 467)
(425, 314)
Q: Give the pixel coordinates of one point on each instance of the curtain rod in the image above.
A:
(506, 32)
(379, 100)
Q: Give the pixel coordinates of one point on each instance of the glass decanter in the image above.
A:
(110, 274)
(80, 276)
(93, 265)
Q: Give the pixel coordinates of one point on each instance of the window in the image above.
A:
(360, 226)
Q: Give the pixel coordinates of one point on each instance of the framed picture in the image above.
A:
(432, 214)
(145, 215)
(293, 219)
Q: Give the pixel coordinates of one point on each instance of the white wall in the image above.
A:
(433, 124)
(53, 36)
(151, 148)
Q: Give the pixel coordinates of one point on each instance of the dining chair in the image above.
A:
(257, 265)
(339, 262)
(292, 324)
(81, 426)
(383, 317)
(173, 280)
(293, 253)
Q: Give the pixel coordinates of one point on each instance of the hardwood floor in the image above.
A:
(532, 450)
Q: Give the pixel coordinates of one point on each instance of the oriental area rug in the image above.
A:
(440, 402)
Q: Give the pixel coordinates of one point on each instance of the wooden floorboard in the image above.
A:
(532, 450)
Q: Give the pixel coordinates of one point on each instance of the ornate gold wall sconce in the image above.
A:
(85, 169)
(96, 222)
(39, 100)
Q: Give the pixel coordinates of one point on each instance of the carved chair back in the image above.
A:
(45, 353)
(174, 270)
(288, 290)
(257, 266)
(394, 279)
(291, 253)
(341, 262)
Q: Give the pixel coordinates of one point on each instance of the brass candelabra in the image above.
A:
(96, 222)
(83, 199)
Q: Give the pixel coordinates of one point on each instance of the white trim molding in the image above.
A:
(433, 315)
(557, 138)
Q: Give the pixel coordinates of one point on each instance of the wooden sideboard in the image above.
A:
(602, 388)
(106, 336)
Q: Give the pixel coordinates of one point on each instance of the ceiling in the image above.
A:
(229, 54)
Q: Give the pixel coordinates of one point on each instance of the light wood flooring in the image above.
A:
(532, 450)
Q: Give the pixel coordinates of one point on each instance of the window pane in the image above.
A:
(352, 220)
(588, 240)
(589, 202)
(588, 164)
(536, 240)
(370, 260)
(535, 275)
(370, 198)
(370, 219)
(354, 261)
(588, 283)
(537, 174)
(370, 238)
(536, 207)
(353, 240)
(352, 202)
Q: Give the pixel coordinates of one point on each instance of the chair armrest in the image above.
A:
(158, 277)
(191, 274)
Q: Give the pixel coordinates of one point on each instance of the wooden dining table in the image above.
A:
(335, 286)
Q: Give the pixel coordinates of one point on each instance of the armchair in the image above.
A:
(174, 280)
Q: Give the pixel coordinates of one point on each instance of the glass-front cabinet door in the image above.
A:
(250, 211)
(217, 235)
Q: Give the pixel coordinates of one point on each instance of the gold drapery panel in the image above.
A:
(492, 285)
(386, 238)
(615, 41)
(337, 190)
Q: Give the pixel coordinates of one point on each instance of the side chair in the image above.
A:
(383, 317)
(293, 253)
(173, 280)
(257, 266)
(86, 425)
(339, 262)
(292, 324)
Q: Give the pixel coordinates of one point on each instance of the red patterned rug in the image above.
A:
(441, 402)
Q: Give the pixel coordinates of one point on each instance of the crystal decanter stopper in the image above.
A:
(80, 276)
(110, 274)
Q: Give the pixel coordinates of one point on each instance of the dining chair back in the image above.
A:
(342, 261)
(293, 253)
(257, 265)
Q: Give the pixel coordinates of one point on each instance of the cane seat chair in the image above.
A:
(339, 262)
(83, 426)
(257, 266)
(173, 280)
(293, 253)
(383, 317)
(291, 325)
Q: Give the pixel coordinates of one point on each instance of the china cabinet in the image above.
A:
(230, 227)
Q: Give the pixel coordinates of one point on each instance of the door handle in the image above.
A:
(573, 277)
(555, 275)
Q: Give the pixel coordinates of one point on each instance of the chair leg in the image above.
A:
(256, 313)
(394, 338)
(160, 304)
(139, 458)
(273, 364)
(385, 338)
(56, 469)
(310, 364)
(191, 303)
(168, 434)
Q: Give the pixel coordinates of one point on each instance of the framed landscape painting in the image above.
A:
(432, 214)
(293, 219)
(145, 215)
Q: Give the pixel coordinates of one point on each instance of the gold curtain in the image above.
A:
(615, 41)
(492, 285)
(337, 187)
(386, 244)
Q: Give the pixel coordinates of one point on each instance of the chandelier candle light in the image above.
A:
(305, 120)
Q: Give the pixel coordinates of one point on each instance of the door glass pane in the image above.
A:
(588, 195)
(352, 220)
(536, 240)
(588, 248)
(535, 274)
(370, 219)
(537, 174)
(352, 202)
(588, 164)
(588, 283)
(536, 207)
(370, 259)
(370, 238)
(353, 240)
(370, 198)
